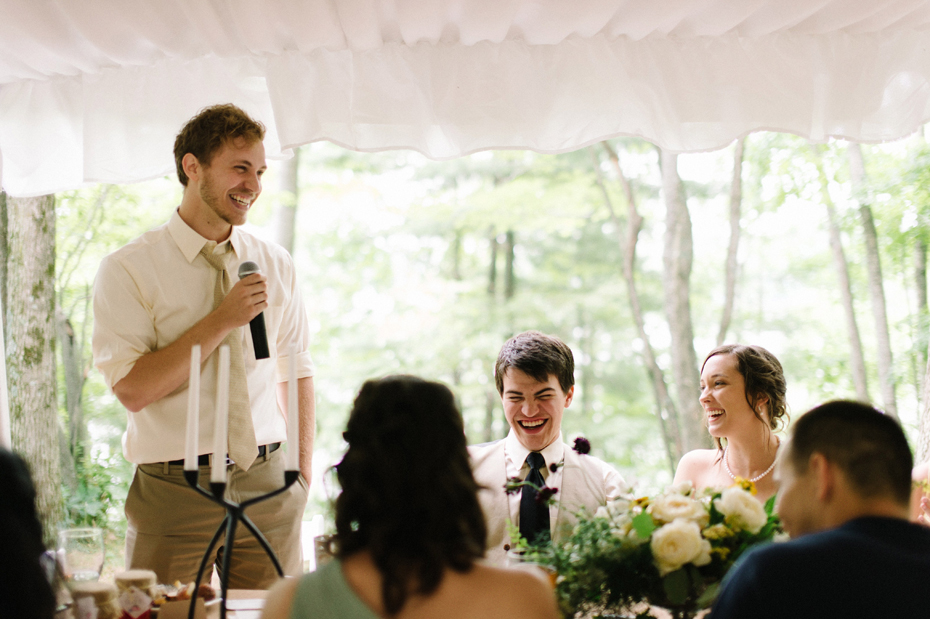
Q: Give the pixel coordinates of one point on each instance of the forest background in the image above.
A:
(642, 261)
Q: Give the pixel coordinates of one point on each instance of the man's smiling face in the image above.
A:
(534, 409)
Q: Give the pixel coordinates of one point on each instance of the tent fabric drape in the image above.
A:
(96, 90)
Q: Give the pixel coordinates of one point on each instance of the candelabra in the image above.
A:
(235, 513)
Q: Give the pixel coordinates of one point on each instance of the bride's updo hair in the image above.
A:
(408, 495)
(764, 378)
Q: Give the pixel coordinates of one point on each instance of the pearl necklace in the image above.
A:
(726, 465)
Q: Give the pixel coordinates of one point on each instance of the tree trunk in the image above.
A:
(856, 359)
(490, 404)
(920, 284)
(4, 252)
(510, 280)
(923, 427)
(677, 258)
(5, 432)
(665, 408)
(583, 363)
(456, 250)
(31, 350)
(285, 210)
(492, 267)
(72, 364)
(876, 285)
(736, 199)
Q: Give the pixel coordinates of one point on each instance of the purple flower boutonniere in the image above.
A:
(582, 445)
(545, 495)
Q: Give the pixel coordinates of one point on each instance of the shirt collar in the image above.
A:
(190, 242)
(553, 453)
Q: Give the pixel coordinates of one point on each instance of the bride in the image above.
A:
(743, 397)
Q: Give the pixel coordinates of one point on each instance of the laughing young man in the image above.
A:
(535, 378)
(176, 286)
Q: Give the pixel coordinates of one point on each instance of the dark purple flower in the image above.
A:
(554, 467)
(582, 445)
(545, 495)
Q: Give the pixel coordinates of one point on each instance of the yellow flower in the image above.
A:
(718, 531)
(745, 484)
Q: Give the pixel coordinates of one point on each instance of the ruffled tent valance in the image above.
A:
(96, 90)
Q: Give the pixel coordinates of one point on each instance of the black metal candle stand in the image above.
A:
(235, 513)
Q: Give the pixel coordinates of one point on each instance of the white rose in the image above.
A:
(684, 488)
(602, 513)
(676, 544)
(669, 507)
(704, 557)
(739, 508)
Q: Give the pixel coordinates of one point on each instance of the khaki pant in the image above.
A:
(170, 524)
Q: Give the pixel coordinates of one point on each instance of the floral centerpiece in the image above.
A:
(671, 550)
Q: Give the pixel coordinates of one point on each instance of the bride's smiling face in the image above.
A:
(724, 397)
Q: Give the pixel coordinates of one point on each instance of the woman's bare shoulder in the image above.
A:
(694, 463)
(516, 592)
(280, 599)
(920, 471)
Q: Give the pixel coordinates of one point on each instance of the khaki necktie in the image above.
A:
(242, 446)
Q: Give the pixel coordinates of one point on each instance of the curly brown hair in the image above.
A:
(408, 495)
(763, 377)
(209, 130)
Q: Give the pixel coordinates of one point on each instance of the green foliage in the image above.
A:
(611, 561)
(96, 500)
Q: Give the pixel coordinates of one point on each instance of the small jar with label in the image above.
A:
(95, 600)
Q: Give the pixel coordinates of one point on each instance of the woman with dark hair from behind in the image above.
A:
(409, 529)
(25, 592)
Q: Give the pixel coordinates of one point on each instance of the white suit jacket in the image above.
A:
(586, 482)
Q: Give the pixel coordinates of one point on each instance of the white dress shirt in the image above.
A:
(153, 290)
(515, 457)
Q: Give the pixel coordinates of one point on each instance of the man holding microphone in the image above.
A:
(176, 286)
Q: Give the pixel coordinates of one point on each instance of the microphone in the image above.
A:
(257, 324)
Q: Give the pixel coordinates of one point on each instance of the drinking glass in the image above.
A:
(80, 553)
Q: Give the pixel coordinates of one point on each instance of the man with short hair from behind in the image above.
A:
(534, 375)
(845, 482)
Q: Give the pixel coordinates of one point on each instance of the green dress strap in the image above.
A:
(325, 594)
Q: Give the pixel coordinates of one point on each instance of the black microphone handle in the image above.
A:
(257, 324)
(259, 337)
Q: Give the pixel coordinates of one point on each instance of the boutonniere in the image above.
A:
(582, 445)
(544, 495)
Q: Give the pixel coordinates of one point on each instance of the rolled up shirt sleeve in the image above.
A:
(124, 329)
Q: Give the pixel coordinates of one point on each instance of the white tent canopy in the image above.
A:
(96, 90)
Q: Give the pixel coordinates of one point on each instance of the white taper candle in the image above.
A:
(221, 419)
(293, 430)
(191, 439)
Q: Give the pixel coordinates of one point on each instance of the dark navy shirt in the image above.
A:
(868, 567)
